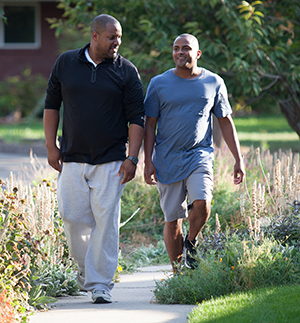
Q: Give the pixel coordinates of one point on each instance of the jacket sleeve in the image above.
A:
(133, 98)
(53, 95)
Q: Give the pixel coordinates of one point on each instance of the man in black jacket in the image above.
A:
(102, 99)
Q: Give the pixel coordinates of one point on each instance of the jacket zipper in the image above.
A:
(93, 77)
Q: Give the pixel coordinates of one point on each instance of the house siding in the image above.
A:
(41, 60)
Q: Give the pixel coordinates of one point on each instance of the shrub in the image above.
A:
(21, 93)
(243, 265)
(32, 240)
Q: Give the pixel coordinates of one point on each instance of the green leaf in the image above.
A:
(257, 20)
(258, 13)
(256, 3)
(258, 31)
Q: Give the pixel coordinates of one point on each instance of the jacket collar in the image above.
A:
(81, 55)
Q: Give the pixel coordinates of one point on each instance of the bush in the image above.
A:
(21, 93)
(242, 266)
(148, 222)
(32, 240)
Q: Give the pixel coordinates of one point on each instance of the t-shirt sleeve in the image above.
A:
(222, 106)
(152, 105)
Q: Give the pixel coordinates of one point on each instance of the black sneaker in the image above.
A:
(190, 248)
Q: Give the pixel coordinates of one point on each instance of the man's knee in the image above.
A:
(201, 206)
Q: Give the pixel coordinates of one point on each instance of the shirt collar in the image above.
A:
(88, 57)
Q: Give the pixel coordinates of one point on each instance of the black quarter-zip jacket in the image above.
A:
(98, 104)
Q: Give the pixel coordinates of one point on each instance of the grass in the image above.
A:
(272, 304)
(269, 132)
(22, 132)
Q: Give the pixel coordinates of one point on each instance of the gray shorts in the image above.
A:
(197, 186)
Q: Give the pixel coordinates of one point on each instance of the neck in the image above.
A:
(94, 56)
(187, 73)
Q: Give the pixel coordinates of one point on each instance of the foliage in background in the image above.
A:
(21, 94)
(254, 46)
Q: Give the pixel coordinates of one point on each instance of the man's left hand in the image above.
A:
(127, 168)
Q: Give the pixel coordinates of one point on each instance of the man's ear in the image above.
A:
(94, 35)
(199, 54)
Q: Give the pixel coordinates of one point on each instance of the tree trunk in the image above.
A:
(291, 110)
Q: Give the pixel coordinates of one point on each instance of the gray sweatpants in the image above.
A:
(89, 203)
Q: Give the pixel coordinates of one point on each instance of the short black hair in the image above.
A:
(194, 39)
(100, 22)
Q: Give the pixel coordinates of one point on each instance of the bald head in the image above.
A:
(100, 22)
(192, 40)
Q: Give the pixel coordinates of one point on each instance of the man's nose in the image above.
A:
(118, 41)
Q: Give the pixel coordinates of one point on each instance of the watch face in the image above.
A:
(133, 159)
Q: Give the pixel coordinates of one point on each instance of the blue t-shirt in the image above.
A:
(184, 110)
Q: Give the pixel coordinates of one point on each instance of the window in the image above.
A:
(22, 30)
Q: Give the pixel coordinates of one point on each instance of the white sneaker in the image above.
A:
(81, 280)
(101, 296)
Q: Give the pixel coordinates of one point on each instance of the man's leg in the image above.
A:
(198, 216)
(102, 254)
(75, 210)
(199, 187)
(174, 242)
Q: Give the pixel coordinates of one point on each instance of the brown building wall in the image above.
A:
(41, 60)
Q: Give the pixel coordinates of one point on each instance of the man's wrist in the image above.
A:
(133, 159)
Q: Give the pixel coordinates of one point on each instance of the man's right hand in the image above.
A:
(55, 158)
(149, 171)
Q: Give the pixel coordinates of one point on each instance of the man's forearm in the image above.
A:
(149, 139)
(230, 137)
(51, 122)
(135, 134)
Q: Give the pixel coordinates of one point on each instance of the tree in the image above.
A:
(255, 47)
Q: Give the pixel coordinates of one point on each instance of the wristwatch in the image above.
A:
(135, 160)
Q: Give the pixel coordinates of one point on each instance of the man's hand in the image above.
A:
(127, 168)
(239, 172)
(55, 158)
(149, 171)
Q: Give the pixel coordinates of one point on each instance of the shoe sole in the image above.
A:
(101, 300)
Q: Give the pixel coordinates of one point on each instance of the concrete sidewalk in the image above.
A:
(133, 302)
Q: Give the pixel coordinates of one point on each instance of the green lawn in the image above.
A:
(267, 132)
(267, 305)
(22, 132)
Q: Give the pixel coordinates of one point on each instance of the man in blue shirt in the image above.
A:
(180, 103)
